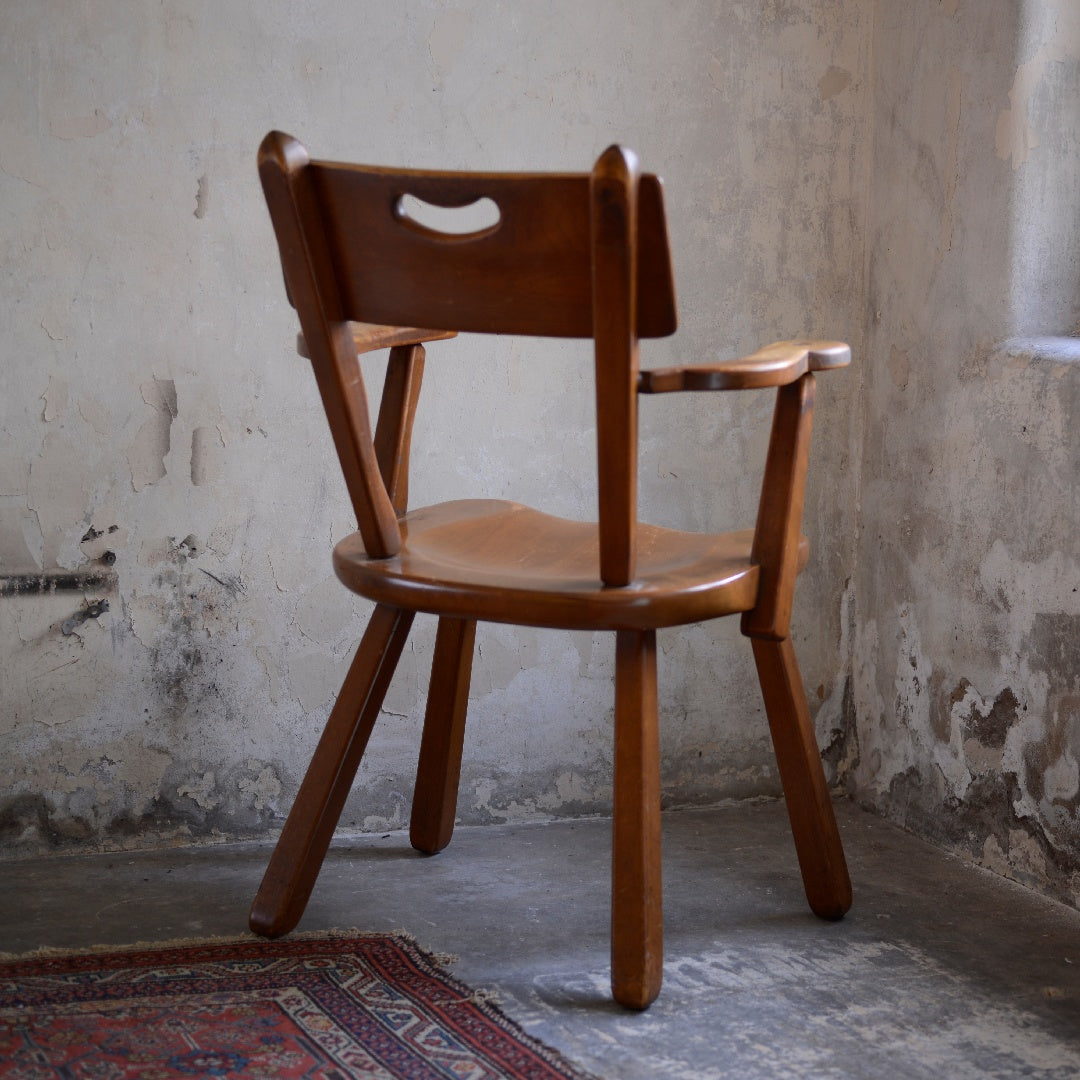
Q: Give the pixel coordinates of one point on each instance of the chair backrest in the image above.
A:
(571, 255)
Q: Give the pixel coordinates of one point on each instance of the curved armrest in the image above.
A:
(367, 337)
(774, 365)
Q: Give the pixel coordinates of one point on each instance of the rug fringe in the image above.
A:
(46, 951)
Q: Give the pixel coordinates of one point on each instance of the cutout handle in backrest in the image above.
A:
(469, 222)
(530, 273)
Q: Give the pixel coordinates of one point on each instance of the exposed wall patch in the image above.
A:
(146, 457)
(206, 447)
(1014, 137)
(55, 398)
(262, 790)
(85, 126)
(57, 495)
(446, 40)
(20, 542)
(835, 81)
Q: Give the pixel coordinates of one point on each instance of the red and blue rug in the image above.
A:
(372, 1006)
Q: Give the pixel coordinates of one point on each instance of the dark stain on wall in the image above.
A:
(992, 729)
(941, 703)
(1055, 650)
(1010, 807)
(32, 823)
(841, 754)
(1055, 645)
(988, 809)
(29, 823)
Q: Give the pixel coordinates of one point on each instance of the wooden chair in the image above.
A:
(571, 255)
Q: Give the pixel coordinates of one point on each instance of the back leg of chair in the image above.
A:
(813, 823)
(637, 937)
(439, 769)
(300, 850)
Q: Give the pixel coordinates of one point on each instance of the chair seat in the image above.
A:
(500, 561)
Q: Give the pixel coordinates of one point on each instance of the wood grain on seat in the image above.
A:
(509, 563)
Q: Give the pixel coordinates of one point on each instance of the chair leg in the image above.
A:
(637, 947)
(817, 839)
(439, 769)
(303, 843)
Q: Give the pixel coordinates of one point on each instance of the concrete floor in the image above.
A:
(940, 969)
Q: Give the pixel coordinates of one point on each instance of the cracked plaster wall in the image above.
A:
(967, 641)
(152, 405)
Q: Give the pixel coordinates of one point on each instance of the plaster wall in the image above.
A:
(151, 404)
(966, 663)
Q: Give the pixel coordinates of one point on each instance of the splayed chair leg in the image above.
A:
(813, 823)
(439, 769)
(300, 850)
(637, 947)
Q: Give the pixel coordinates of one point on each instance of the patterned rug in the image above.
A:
(322, 1008)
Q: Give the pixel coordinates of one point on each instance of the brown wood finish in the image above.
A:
(637, 935)
(775, 365)
(393, 431)
(439, 768)
(810, 810)
(402, 275)
(614, 221)
(311, 283)
(780, 511)
(509, 563)
(300, 850)
(370, 337)
(570, 255)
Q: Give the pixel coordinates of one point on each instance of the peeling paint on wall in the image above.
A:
(191, 803)
(207, 460)
(964, 674)
(55, 399)
(153, 440)
(834, 81)
(449, 33)
(1015, 135)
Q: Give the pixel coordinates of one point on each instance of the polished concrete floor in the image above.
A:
(940, 970)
